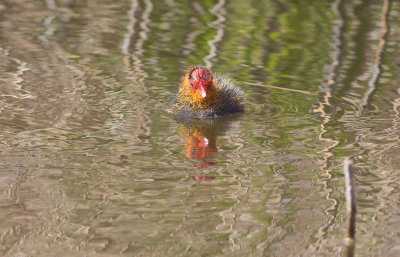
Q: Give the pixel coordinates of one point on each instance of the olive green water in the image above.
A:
(93, 165)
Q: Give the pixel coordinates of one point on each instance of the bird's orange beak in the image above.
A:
(202, 91)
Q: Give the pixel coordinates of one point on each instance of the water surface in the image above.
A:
(93, 165)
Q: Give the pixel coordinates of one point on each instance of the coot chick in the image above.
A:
(203, 94)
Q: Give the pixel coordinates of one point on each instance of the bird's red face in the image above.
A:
(200, 81)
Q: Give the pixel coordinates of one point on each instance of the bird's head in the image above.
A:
(200, 82)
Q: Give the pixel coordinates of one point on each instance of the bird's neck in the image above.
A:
(187, 97)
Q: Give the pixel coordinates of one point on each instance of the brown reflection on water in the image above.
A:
(357, 104)
(133, 48)
(377, 65)
(219, 11)
(325, 109)
(190, 40)
(381, 144)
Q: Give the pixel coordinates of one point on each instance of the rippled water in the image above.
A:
(93, 165)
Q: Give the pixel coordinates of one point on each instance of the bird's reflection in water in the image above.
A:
(201, 136)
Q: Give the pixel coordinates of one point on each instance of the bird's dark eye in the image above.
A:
(191, 84)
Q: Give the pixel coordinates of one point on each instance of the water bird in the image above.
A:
(203, 94)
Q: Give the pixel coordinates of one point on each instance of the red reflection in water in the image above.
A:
(201, 138)
(202, 178)
(204, 164)
(200, 147)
